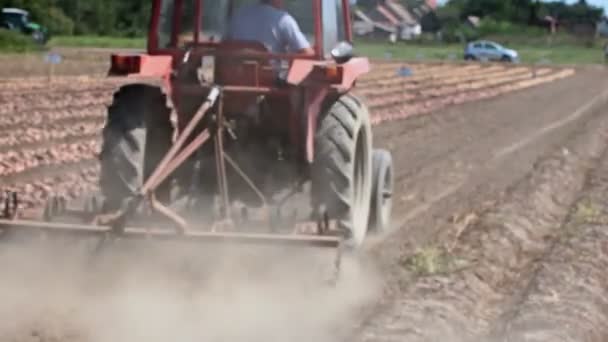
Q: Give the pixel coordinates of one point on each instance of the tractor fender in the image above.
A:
(322, 88)
(155, 69)
(339, 76)
(140, 65)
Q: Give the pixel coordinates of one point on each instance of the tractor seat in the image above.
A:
(238, 65)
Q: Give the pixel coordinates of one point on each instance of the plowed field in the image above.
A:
(499, 223)
(49, 132)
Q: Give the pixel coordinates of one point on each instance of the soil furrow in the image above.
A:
(29, 138)
(465, 76)
(401, 111)
(422, 74)
(15, 162)
(566, 298)
(69, 181)
(20, 107)
(459, 287)
(453, 305)
(463, 87)
(65, 116)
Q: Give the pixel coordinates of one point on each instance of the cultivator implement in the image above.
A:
(144, 217)
(266, 128)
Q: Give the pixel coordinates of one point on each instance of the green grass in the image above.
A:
(432, 260)
(14, 42)
(560, 54)
(98, 42)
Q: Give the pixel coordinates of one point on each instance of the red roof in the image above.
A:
(401, 12)
(387, 14)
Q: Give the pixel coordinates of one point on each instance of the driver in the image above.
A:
(267, 23)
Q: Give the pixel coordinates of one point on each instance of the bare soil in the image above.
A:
(481, 201)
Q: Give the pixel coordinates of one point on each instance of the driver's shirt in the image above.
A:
(274, 28)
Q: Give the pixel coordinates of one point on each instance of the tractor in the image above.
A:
(16, 19)
(222, 140)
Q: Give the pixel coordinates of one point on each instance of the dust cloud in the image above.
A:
(67, 291)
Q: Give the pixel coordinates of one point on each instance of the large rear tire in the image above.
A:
(342, 169)
(136, 136)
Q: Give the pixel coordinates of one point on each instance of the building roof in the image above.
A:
(385, 27)
(401, 12)
(359, 14)
(386, 13)
(362, 27)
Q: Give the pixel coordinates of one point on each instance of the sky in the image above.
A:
(599, 3)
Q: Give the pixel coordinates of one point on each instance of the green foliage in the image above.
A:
(58, 23)
(489, 26)
(524, 11)
(459, 33)
(125, 18)
(99, 42)
(11, 41)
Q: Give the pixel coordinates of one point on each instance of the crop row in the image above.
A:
(53, 132)
(41, 118)
(454, 83)
(58, 130)
(70, 185)
(399, 110)
(16, 161)
(23, 107)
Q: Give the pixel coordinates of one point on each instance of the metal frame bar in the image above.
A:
(347, 20)
(169, 160)
(176, 25)
(318, 13)
(197, 20)
(221, 163)
(165, 234)
(153, 29)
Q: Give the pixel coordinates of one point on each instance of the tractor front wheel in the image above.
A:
(342, 169)
(136, 136)
(382, 191)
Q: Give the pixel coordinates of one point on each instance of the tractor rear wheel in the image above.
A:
(136, 136)
(342, 170)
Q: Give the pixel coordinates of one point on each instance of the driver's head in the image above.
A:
(274, 3)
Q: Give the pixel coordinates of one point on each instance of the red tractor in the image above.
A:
(226, 135)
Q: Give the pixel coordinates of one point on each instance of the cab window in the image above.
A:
(330, 26)
(216, 16)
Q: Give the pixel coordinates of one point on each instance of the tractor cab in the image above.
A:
(195, 35)
(183, 23)
(189, 45)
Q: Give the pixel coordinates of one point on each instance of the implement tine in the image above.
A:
(5, 206)
(10, 206)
